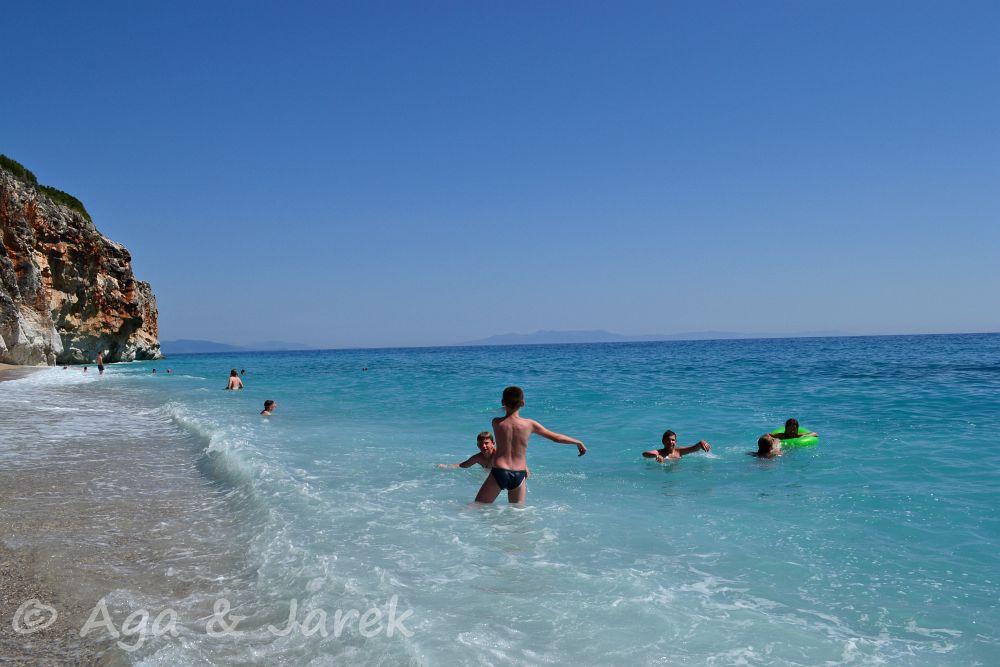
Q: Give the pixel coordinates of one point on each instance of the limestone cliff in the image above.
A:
(66, 292)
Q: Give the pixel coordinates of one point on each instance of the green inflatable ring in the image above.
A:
(801, 441)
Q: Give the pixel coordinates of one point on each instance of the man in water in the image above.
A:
(510, 463)
(100, 363)
(269, 407)
(672, 451)
(768, 446)
(234, 381)
(792, 431)
(487, 449)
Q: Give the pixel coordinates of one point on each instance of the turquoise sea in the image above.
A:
(877, 547)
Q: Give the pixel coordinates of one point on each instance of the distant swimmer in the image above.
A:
(154, 370)
(487, 449)
(768, 446)
(84, 369)
(510, 463)
(100, 363)
(234, 381)
(243, 371)
(269, 407)
(792, 431)
(672, 451)
(169, 371)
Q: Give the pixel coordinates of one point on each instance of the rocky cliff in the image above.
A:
(66, 292)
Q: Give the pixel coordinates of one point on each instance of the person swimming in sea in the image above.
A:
(234, 381)
(792, 431)
(671, 451)
(768, 447)
(484, 457)
(269, 407)
(510, 464)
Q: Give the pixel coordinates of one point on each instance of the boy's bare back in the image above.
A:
(512, 433)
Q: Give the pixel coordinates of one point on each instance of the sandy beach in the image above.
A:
(10, 371)
(21, 580)
(87, 515)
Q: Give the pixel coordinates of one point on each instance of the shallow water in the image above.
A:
(876, 547)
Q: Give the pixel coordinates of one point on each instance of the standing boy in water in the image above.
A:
(234, 381)
(510, 463)
(672, 451)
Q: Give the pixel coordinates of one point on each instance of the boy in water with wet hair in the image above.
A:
(768, 446)
(269, 407)
(487, 449)
(792, 431)
(672, 451)
(510, 463)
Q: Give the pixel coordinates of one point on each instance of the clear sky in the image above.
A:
(412, 173)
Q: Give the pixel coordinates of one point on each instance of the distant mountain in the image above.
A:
(599, 336)
(552, 338)
(278, 346)
(188, 346)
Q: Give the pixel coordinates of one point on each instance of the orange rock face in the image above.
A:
(67, 293)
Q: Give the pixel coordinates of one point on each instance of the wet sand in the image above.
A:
(22, 581)
(89, 510)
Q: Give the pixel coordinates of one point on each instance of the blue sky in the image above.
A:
(368, 174)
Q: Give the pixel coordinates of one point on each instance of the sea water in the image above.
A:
(878, 546)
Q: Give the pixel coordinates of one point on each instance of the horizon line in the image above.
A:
(620, 342)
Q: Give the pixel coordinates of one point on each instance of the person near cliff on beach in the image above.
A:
(672, 451)
(100, 363)
(234, 381)
(269, 407)
(510, 463)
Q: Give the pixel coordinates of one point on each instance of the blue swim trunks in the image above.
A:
(508, 480)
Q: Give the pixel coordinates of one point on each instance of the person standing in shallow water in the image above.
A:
(100, 363)
(510, 463)
(234, 381)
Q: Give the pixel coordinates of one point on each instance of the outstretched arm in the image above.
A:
(557, 437)
(701, 444)
(654, 454)
(467, 463)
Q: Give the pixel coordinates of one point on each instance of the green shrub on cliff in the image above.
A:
(18, 169)
(55, 194)
(66, 199)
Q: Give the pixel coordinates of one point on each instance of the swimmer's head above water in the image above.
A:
(485, 443)
(669, 441)
(768, 446)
